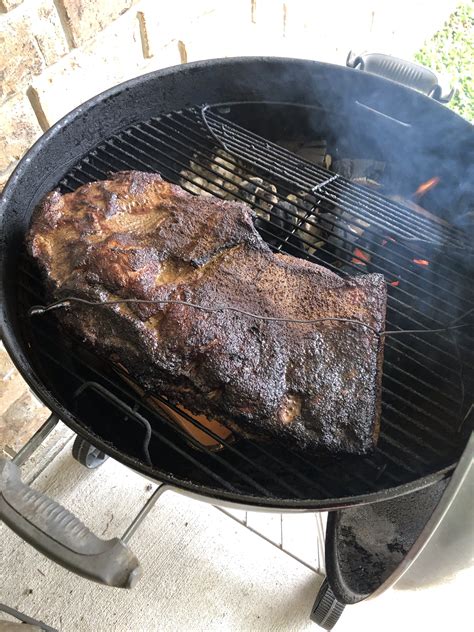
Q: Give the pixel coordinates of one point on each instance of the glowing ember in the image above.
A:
(426, 186)
(360, 257)
(395, 283)
(421, 262)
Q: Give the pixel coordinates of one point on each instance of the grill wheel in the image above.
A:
(87, 455)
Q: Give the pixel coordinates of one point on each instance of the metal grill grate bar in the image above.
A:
(214, 456)
(138, 401)
(413, 321)
(207, 154)
(254, 145)
(316, 484)
(421, 392)
(170, 444)
(156, 128)
(449, 398)
(176, 142)
(201, 137)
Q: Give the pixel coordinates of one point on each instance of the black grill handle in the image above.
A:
(58, 534)
(405, 72)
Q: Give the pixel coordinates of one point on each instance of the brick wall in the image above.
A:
(55, 54)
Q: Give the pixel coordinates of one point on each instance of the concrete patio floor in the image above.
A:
(203, 571)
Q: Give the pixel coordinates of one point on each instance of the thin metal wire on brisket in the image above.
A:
(137, 236)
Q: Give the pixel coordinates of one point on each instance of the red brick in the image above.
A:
(46, 26)
(19, 128)
(20, 57)
(85, 18)
(8, 5)
(113, 56)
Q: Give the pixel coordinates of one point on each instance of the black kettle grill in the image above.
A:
(231, 128)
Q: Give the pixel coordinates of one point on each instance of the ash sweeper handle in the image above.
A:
(402, 71)
(58, 534)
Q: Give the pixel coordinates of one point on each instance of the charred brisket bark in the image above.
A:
(137, 236)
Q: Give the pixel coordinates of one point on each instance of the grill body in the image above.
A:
(384, 120)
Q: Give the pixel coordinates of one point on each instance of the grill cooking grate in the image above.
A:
(299, 207)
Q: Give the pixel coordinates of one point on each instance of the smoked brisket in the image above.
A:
(137, 236)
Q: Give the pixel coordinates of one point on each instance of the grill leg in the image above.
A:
(144, 511)
(29, 448)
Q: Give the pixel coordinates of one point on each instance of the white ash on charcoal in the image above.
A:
(218, 175)
(222, 177)
(303, 213)
(261, 196)
(299, 213)
(341, 231)
(363, 171)
(210, 177)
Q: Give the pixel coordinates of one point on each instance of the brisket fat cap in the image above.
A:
(137, 236)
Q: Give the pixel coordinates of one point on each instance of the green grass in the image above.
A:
(451, 52)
